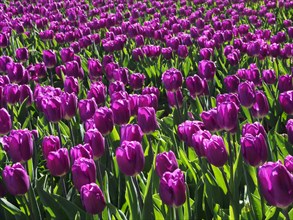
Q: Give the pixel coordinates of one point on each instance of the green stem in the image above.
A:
(177, 106)
(59, 133)
(100, 177)
(140, 201)
(286, 214)
(62, 179)
(71, 132)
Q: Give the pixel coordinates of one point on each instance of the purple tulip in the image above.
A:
(49, 58)
(269, 76)
(67, 54)
(121, 111)
(198, 142)
(136, 81)
(21, 54)
(98, 91)
(96, 141)
(261, 106)
(16, 179)
(286, 101)
(50, 143)
(53, 108)
(92, 198)
(231, 82)
(11, 93)
(25, 93)
(167, 53)
(215, 150)
(4, 40)
(131, 132)
(209, 119)
(80, 150)
(87, 108)
(246, 93)
(69, 102)
(5, 121)
(187, 129)
(83, 172)
(289, 128)
(19, 145)
(95, 69)
(276, 184)
(182, 51)
(166, 161)
(254, 129)
(175, 98)
(206, 69)
(288, 162)
(172, 79)
(172, 188)
(146, 119)
(195, 85)
(15, 72)
(58, 162)
(227, 116)
(71, 85)
(104, 120)
(285, 83)
(130, 158)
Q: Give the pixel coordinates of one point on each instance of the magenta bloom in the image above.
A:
(5, 121)
(166, 161)
(146, 119)
(49, 58)
(172, 79)
(58, 162)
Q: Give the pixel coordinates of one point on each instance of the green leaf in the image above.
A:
(10, 207)
(148, 211)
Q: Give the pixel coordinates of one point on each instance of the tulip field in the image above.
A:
(146, 109)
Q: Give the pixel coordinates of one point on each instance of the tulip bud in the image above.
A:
(286, 101)
(172, 79)
(87, 108)
(167, 53)
(285, 83)
(5, 121)
(172, 188)
(231, 82)
(58, 162)
(261, 106)
(166, 161)
(16, 179)
(174, 97)
(198, 142)
(95, 69)
(92, 198)
(187, 129)
(121, 111)
(146, 119)
(227, 116)
(182, 51)
(96, 141)
(246, 93)
(253, 129)
(215, 150)
(83, 172)
(254, 149)
(67, 54)
(69, 102)
(50, 143)
(71, 85)
(97, 91)
(53, 108)
(131, 132)
(289, 128)
(21, 54)
(25, 93)
(80, 150)
(104, 120)
(130, 158)
(276, 184)
(11, 93)
(136, 81)
(206, 69)
(209, 119)
(4, 40)
(269, 76)
(19, 145)
(288, 162)
(49, 58)
(195, 85)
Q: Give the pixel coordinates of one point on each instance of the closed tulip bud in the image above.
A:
(95, 69)
(146, 119)
(253, 129)
(195, 85)
(172, 79)
(53, 108)
(231, 82)
(274, 50)
(182, 51)
(269, 76)
(87, 108)
(166, 161)
(187, 129)
(167, 53)
(215, 151)
(137, 54)
(261, 106)
(71, 85)
(285, 83)
(131, 132)
(246, 93)
(25, 93)
(121, 111)
(136, 81)
(174, 97)
(96, 141)
(276, 184)
(92, 198)
(4, 60)
(4, 40)
(50, 143)
(227, 116)
(130, 158)
(67, 54)
(172, 188)
(104, 120)
(254, 149)
(288, 162)
(16, 179)
(198, 142)
(49, 58)
(11, 93)
(116, 87)
(5, 121)
(80, 150)
(209, 119)
(58, 162)
(19, 145)
(206, 69)
(206, 53)
(83, 172)
(289, 128)
(151, 90)
(21, 54)
(121, 74)
(139, 40)
(286, 101)
(97, 91)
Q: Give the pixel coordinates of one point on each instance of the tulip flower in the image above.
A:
(289, 128)
(53, 108)
(172, 188)
(276, 184)
(269, 76)
(96, 141)
(198, 142)
(104, 120)
(261, 106)
(246, 93)
(71, 85)
(288, 162)
(67, 54)
(130, 158)
(227, 116)
(131, 132)
(92, 198)
(187, 129)
(166, 161)
(49, 58)
(87, 108)
(5, 121)
(58, 162)
(209, 119)
(16, 179)
(80, 150)
(172, 79)
(146, 119)
(286, 101)
(206, 69)
(136, 81)
(50, 143)
(21, 54)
